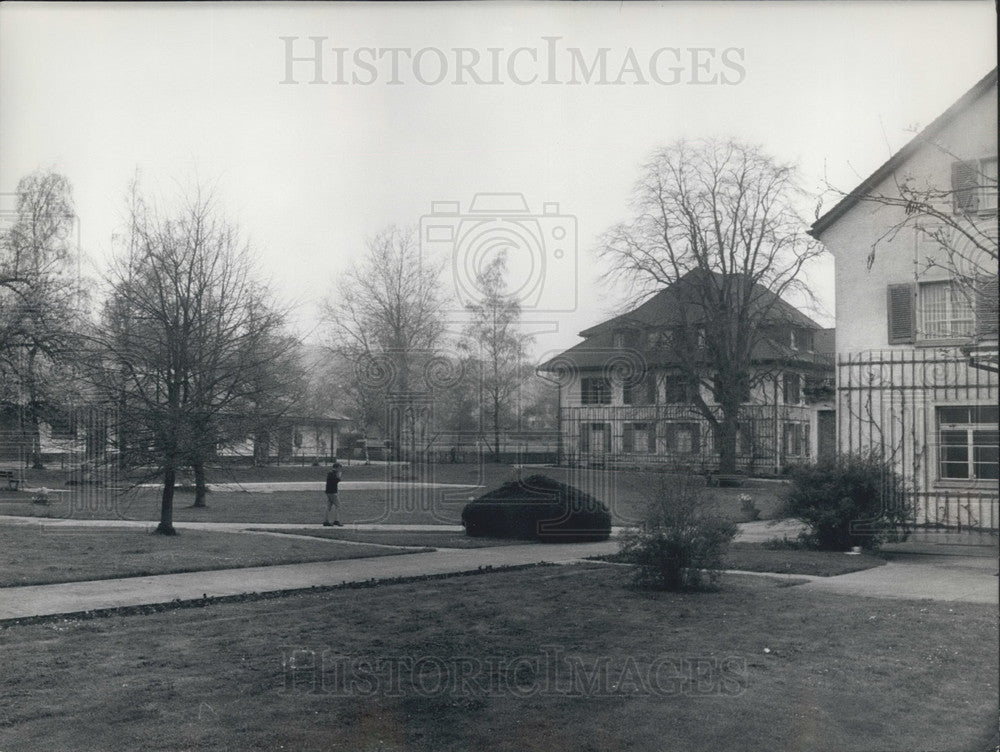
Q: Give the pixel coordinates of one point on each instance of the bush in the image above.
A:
(680, 543)
(847, 501)
(538, 507)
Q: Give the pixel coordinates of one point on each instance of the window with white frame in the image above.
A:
(678, 390)
(640, 391)
(683, 438)
(595, 437)
(967, 442)
(792, 388)
(595, 390)
(941, 310)
(796, 439)
(945, 311)
(638, 438)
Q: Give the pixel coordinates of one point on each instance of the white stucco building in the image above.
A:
(625, 399)
(916, 289)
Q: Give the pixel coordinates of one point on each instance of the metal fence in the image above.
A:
(933, 415)
(770, 439)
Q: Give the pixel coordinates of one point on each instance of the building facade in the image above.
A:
(915, 246)
(624, 398)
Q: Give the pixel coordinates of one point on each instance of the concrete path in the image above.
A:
(968, 579)
(267, 487)
(910, 573)
(225, 527)
(749, 532)
(71, 597)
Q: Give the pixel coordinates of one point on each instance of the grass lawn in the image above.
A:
(404, 538)
(32, 555)
(753, 557)
(489, 662)
(400, 503)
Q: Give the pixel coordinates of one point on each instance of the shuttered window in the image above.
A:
(965, 187)
(792, 389)
(988, 190)
(638, 437)
(677, 390)
(595, 437)
(987, 311)
(974, 186)
(902, 321)
(641, 392)
(947, 310)
(683, 438)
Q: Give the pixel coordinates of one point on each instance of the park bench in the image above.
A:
(11, 477)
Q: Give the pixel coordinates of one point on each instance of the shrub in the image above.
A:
(538, 507)
(680, 544)
(850, 500)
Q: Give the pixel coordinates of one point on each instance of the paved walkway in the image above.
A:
(267, 487)
(70, 597)
(749, 532)
(969, 579)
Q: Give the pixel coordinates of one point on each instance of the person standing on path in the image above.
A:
(332, 502)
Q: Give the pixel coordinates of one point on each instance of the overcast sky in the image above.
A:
(439, 102)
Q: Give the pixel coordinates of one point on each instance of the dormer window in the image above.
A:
(626, 338)
(658, 338)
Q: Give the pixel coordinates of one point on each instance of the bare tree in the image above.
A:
(386, 321)
(192, 350)
(40, 300)
(718, 220)
(497, 348)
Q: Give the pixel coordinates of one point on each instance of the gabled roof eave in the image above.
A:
(893, 163)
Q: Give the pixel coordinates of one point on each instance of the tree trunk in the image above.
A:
(166, 526)
(33, 401)
(726, 434)
(496, 431)
(200, 487)
(36, 442)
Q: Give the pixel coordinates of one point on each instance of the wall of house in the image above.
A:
(861, 292)
(313, 440)
(600, 433)
(890, 396)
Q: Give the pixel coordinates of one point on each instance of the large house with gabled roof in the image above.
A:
(625, 397)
